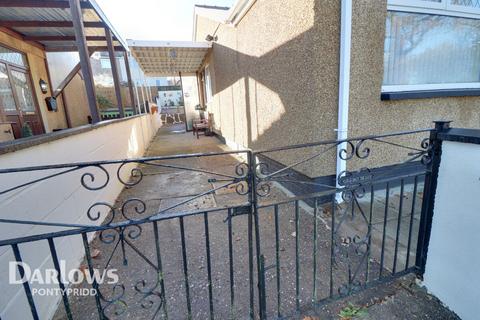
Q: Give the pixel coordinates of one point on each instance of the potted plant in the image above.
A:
(26, 130)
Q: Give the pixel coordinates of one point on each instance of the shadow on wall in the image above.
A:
(285, 96)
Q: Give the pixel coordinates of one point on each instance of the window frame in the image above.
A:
(208, 84)
(23, 69)
(443, 8)
(14, 98)
(28, 79)
(12, 64)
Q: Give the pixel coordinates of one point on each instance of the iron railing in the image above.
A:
(255, 249)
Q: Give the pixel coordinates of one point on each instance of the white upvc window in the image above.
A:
(208, 84)
(432, 45)
(463, 8)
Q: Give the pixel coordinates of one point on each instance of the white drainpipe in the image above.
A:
(344, 82)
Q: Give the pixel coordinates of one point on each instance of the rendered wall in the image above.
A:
(61, 199)
(76, 102)
(453, 260)
(275, 76)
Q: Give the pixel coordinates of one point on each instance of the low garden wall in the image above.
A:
(453, 256)
(61, 199)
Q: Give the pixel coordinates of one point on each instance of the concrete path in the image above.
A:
(138, 294)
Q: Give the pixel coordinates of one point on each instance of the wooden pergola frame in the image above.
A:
(80, 44)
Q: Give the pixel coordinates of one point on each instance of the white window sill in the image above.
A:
(424, 92)
(430, 87)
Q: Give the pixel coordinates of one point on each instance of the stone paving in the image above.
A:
(164, 187)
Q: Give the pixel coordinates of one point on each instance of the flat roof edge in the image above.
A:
(212, 7)
(168, 44)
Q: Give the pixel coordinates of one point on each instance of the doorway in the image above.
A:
(17, 102)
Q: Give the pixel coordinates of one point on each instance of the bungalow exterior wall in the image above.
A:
(265, 91)
(368, 114)
(275, 79)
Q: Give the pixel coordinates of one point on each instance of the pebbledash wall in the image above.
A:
(368, 113)
(275, 75)
(453, 256)
(275, 79)
(61, 199)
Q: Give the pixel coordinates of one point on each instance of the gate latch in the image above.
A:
(238, 211)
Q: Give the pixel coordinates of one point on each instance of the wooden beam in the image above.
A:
(74, 48)
(77, 18)
(67, 80)
(116, 79)
(62, 38)
(65, 108)
(48, 24)
(129, 78)
(41, 4)
(201, 93)
(144, 109)
(19, 36)
(183, 98)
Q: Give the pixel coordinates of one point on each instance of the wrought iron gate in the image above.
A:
(255, 237)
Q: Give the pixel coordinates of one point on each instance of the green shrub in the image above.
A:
(352, 311)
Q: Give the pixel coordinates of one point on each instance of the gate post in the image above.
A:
(260, 259)
(430, 189)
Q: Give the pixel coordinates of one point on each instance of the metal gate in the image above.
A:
(255, 237)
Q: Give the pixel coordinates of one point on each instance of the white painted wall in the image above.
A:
(453, 261)
(61, 199)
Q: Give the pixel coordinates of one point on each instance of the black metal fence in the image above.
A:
(255, 237)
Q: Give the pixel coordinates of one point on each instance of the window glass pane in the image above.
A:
(208, 84)
(7, 103)
(103, 78)
(23, 90)
(105, 64)
(430, 49)
(13, 57)
(60, 65)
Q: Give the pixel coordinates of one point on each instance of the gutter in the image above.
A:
(238, 11)
(344, 84)
(194, 34)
